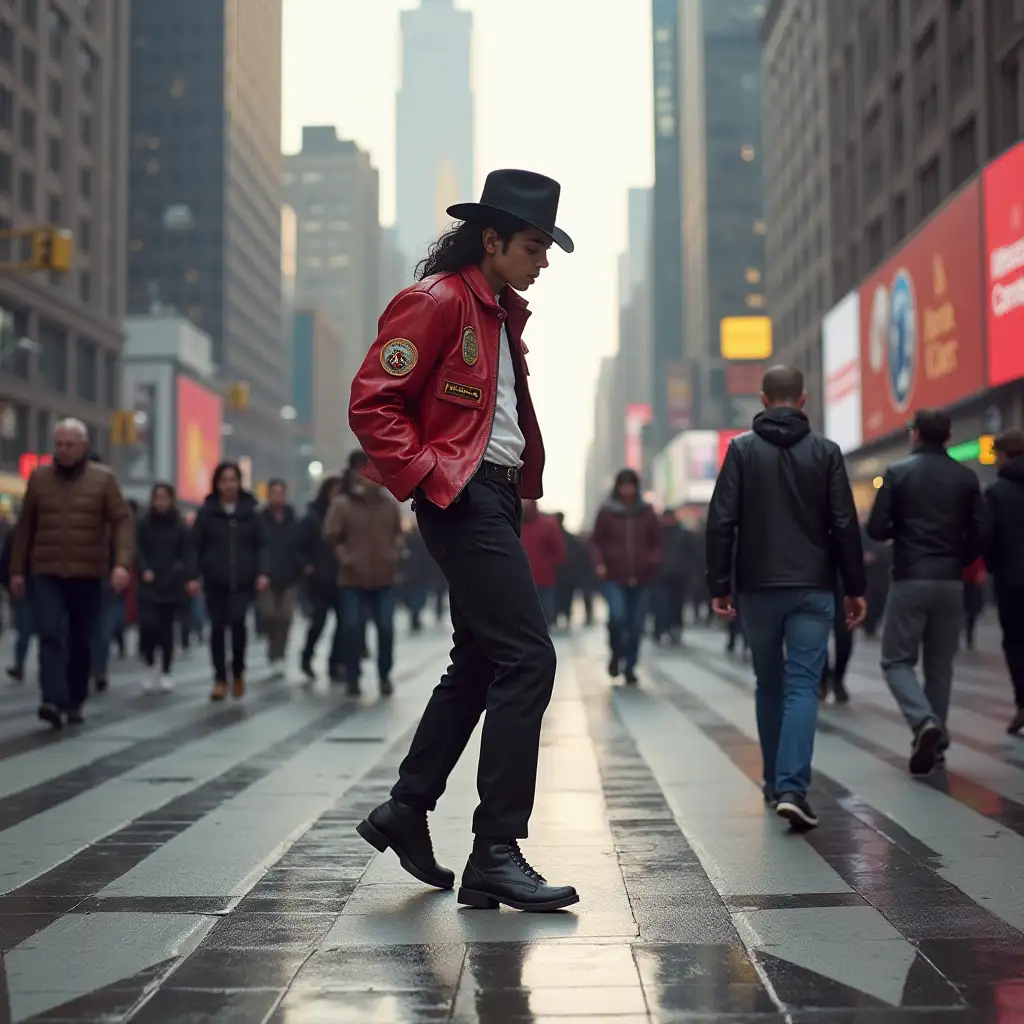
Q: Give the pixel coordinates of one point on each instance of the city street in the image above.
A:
(175, 861)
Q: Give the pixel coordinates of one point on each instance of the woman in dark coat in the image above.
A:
(165, 567)
(231, 552)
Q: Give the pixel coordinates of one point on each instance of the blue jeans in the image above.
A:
(788, 679)
(65, 611)
(24, 623)
(627, 613)
(355, 608)
(106, 624)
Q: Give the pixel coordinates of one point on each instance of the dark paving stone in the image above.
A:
(113, 1002)
(15, 928)
(202, 1006)
(222, 969)
(383, 969)
(153, 905)
(36, 904)
(799, 901)
(269, 931)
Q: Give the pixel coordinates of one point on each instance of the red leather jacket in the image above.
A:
(627, 542)
(423, 401)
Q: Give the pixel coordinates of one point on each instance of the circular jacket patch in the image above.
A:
(399, 356)
(470, 348)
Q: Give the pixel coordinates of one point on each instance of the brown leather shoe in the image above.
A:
(220, 690)
(238, 687)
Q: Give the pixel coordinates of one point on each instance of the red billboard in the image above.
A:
(1003, 185)
(921, 316)
(200, 412)
(724, 440)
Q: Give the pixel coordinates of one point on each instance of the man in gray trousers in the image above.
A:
(931, 508)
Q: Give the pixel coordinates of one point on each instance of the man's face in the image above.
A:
(525, 258)
(69, 447)
(277, 495)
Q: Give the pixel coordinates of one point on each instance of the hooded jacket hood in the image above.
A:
(1014, 471)
(782, 426)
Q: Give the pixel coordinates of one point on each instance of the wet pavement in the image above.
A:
(173, 861)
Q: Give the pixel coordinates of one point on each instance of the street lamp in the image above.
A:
(289, 412)
(316, 470)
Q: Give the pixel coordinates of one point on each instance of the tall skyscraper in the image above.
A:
(334, 190)
(669, 344)
(63, 98)
(434, 122)
(205, 196)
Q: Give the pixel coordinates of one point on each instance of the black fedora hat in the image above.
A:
(530, 197)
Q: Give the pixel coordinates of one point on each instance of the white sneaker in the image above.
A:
(150, 680)
(166, 683)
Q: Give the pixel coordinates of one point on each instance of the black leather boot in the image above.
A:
(497, 872)
(405, 830)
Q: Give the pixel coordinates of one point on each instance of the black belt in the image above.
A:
(504, 474)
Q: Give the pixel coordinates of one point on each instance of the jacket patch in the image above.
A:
(399, 357)
(470, 346)
(464, 391)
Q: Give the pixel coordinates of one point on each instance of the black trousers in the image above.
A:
(502, 662)
(1010, 604)
(227, 610)
(156, 632)
(323, 599)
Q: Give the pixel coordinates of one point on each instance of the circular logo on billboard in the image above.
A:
(902, 340)
(878, 329)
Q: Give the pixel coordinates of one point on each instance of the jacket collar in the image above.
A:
(511, 301)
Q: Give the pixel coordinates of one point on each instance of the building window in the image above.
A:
(85, 371)
(29, 67)
(873, 154)
(27, 191)
(14, 435)
(85, 130)
(85, 287)
(898, 132)
(6, 108)
(27, 129)
(57, 30)
(111, 392)
(53, 210)
(55, 97)
(53, 357)
(876, 243)
(86, 70)
(896, 25)
(928, 187)
(53, 154)
(6, 43)
(926, 83)
(89, 11)
(6, 174)
(16, 325)
(965, 153)
(85, 235)
(30, 13)
(85, 182)
(43, 436)
(899, 219)
(872, 39)
(961, 47)
(1009, 90)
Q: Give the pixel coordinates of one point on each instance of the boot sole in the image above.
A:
(486, 901)
(795, 816)
(381, 843)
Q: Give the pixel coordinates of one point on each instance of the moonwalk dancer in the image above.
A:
(442, 407)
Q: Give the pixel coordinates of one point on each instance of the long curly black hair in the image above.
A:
(462, 245)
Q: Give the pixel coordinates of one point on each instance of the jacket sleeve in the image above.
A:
(122, 523)
(25, 528)
(977, 525)
(261, 544)
(334, 523)
(141, 564)
(845, 529)
(199, 537)
(722, 524)
(596, 540)
(880, 520)
(993, 542)
(559, 555)
(188, 554)
(304, 541)
(413, 325)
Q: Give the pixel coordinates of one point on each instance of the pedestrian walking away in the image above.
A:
(72, 515)
(442, 407)
(783, 524)
(284, 570)
(166, 568)
(545, 548)
(932, 510)
(231, 553)
(1004, 555)
(626, 545)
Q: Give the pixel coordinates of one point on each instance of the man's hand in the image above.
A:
(18, 587)
(601, 572)
(856, 611)
(262, 582)
(148, 576)
(192, 588)
(119, 579)
(723, 607)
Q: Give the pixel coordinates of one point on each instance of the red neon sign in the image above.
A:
(29, 462)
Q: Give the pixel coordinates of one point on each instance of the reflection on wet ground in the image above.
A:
(179, 863)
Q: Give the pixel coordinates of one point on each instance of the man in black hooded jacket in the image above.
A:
(783, 519)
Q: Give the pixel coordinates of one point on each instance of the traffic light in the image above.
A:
(238, 395)
(123, 429)
(52, 249)
(986, 449)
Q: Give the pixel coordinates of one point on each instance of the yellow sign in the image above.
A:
(986, 449)
(746, 337)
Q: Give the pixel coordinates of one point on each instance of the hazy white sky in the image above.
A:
(562, 87)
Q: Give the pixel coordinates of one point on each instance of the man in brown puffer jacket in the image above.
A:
(364, 528)
(72, 511)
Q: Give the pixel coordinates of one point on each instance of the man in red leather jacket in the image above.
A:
(442, 409)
